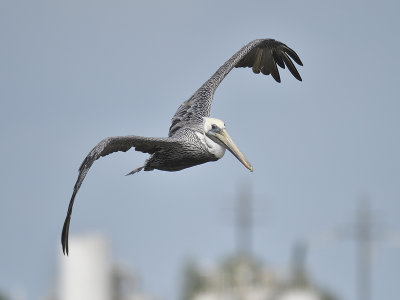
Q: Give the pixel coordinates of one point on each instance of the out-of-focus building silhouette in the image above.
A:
(87, 272)
(238, 277)
(245, 277)
(90, 274)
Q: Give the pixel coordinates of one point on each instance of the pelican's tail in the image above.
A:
(135, 171)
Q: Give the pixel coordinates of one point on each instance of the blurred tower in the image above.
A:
(244, 220)
(85, 274)
(364, 239)
(299, 272)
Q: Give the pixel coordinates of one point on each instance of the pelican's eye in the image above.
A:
(213, 126)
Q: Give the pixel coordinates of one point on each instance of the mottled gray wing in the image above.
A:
(262, 55)
(105, 147)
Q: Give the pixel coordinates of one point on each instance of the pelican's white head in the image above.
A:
(219, 140)
(213, 124)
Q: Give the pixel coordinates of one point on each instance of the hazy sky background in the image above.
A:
(72, 73)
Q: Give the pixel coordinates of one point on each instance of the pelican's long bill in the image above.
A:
(224, 137)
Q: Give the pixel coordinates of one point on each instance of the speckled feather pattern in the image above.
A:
(261, 55)
(183, 147)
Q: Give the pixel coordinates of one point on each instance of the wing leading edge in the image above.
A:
(262, 55)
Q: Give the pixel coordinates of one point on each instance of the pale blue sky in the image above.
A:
(74, 73)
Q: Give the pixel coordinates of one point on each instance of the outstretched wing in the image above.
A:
(105, 147)
(262, 55)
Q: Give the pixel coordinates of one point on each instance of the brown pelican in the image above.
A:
(194, 138)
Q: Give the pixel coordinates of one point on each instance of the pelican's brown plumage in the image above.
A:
(194, 138)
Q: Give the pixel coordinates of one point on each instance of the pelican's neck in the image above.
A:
(214, 148)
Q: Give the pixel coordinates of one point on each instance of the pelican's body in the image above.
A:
(190, 147)
(194, 138)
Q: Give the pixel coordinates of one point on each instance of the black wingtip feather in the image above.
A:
(278, 60)
(293, 55)
(290, 66)
(64, 236)
(275, 75)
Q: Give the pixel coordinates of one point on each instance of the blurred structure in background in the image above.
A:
(90, 274)
(245, 277)
(87, 272)
(244, 220)
(364, 231)
(363, 236)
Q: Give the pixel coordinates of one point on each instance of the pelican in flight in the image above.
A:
(194, 138)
